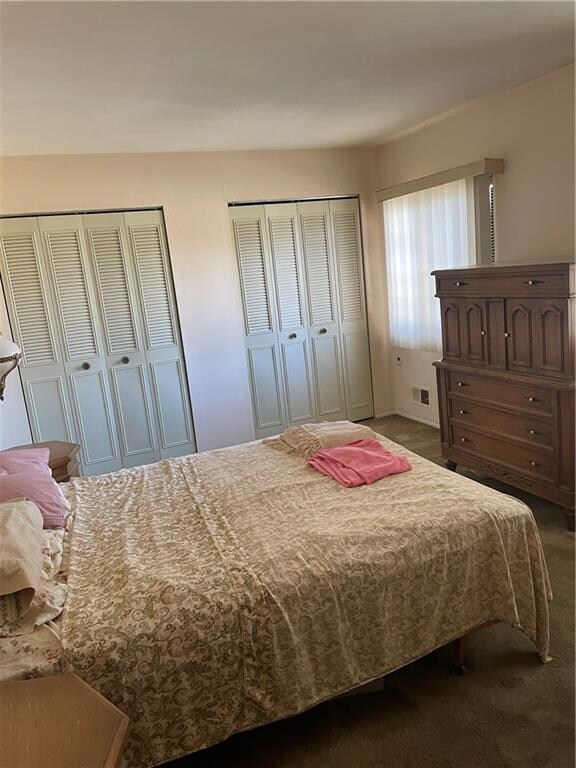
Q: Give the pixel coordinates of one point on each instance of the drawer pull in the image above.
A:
(534, 464)
(464, 440)
(459, 383)
(461, 412)
(459, 284)
(533, 282)
(532, 399)
(507, 335)
(532, 431)
(292, 335)
(482, 333)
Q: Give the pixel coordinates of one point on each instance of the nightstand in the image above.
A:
(63, 459)
(59, 722)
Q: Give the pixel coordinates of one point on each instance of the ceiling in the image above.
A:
(92, 77)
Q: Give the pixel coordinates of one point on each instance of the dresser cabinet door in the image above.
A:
(473, 319)
(452, 328)
(537, 336)
(519, 342)
(550, 330)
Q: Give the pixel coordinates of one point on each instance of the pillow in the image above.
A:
(40, 488)
(20, 558)
(23, 460)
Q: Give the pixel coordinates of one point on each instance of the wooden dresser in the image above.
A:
(506, 379)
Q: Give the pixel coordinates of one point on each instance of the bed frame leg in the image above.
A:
(458, 667)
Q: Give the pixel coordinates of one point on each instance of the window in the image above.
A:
(427, 230)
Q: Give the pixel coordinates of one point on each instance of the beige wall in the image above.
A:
(194, 190)
(532, 128)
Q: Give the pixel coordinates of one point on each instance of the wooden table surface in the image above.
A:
(59, 722)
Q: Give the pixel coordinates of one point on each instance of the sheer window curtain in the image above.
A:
(432, 229)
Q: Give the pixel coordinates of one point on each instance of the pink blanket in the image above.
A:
(359, 463)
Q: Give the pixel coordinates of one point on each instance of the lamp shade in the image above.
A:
(8, 348)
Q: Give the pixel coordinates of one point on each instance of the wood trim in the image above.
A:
(478, 168)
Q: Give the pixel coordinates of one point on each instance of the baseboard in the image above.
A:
(383, 415)
(411, 416)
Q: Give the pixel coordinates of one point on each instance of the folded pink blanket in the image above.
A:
(358, 463)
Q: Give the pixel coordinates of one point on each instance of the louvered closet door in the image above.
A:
(294, 345)
(161, 332)
(81, 343)
(352, 309)
(35, 330)
(123, 338)
(261, 340)
(314, 220)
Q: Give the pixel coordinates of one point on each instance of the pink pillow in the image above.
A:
(24, 460)
(38, 487)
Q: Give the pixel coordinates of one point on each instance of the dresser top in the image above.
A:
(511, 267)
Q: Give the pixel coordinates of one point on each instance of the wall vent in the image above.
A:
(420, 396)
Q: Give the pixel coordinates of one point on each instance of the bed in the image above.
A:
(218, 592)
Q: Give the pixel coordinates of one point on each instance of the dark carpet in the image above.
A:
(509, 711)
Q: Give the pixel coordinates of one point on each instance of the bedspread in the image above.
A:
(221, 591)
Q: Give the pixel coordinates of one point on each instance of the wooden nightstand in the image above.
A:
(59, 722)
(63, 459)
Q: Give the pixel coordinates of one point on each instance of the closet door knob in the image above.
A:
(322, 331)
(125, 360)
(85, 366)
(292, 335)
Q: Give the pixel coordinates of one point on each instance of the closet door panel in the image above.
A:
(260, 318)
(314, 219)
(136, 427)
(265, 381)
(292, 332)
(162, 340)
(297, 376)
(25, 280)
(352, 308)
(74, 299)
(358, 383)
(169, 387)
(124, 337)
(95, 422)
(49, 409)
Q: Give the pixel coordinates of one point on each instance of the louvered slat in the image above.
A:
(318, 268)
(21, 256)
(70, 281)
(251, 257)
(283, 238)
(348, 260)
(149, 257)
(111, 275)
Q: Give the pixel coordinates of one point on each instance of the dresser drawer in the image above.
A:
(531, 399)
(528, 284)
(541, 433)
(529, 461)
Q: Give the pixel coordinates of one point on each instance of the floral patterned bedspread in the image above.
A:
(27, 650)
(221, 591)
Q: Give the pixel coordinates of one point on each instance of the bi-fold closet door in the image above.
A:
(306, 336)
(92, 306)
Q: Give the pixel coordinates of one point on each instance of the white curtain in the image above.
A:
(426, 230)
